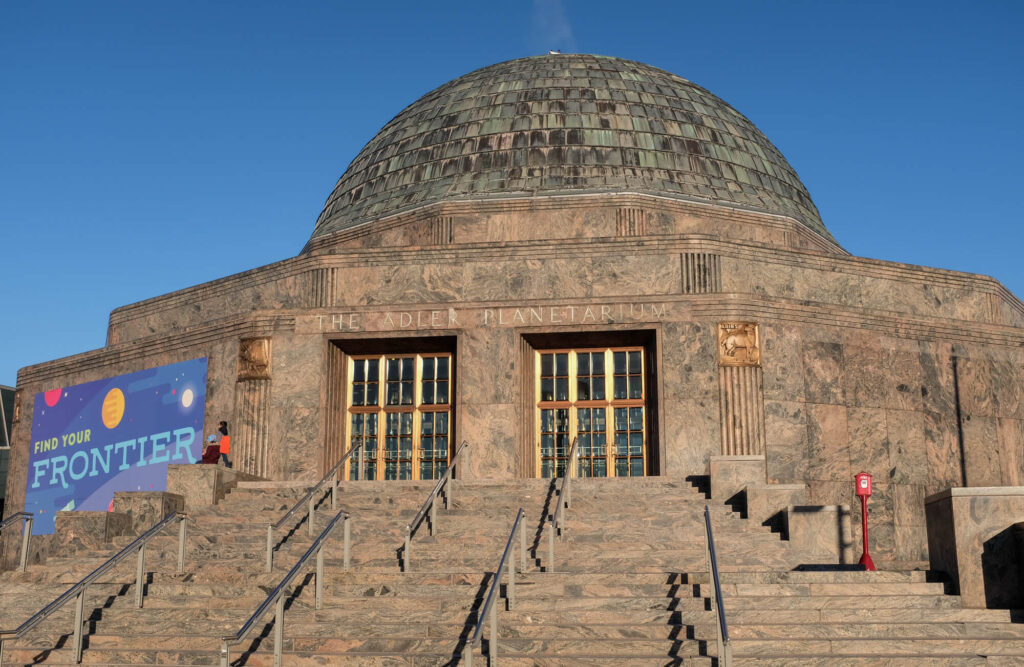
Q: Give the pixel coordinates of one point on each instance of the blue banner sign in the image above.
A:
(117, 434)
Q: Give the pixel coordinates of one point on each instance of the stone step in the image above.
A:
(813, 577)
(864, 661)
(544, 660)
(773, 591)
(168, 649)
(590, 646)
(877, 614)
(120, 633)
(627, 587)
(260, 658)
(206, 573)
(894, 631)
(338, 586)
(300, 659)
(882, 647)
(765, 603)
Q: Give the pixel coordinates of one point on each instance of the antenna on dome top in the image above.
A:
(556, 52)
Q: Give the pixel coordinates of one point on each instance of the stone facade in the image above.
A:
(913, 374)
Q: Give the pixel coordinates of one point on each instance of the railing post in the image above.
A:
(711, 593)
(319, 577)
(347, 530)
(468, 655)
(450, 484)
(140, 567)
(560, 508)
(362, 467)
(182, 520)
(492, 646)
(76, 642)
(511, 567)
(278, 629)
(270, 548)
(334, 493)
(568, 487)
(26, 535)
(551, 547)
(225, 654)
(433, 515)
(522, 548)
(312, 513)
(405, 550)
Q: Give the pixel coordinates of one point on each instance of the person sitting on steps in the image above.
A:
(211, 452)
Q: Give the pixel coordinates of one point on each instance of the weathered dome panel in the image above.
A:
(561, 124)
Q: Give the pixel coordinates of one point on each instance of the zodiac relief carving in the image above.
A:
(739, 344)
(254, 359)
(16, 414)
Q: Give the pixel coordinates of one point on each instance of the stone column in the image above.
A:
(250, 440)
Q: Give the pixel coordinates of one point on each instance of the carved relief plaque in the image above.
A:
(254, 359)
(16, 414)
(739, 344)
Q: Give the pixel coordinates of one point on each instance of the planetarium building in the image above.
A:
(555, 249)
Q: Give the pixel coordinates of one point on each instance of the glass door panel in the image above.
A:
(554, 442)
(398, 446)
(433, 444)
(629, 442)
(364, 432)
(592, 443)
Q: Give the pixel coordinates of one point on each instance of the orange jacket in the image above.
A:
(225, 444)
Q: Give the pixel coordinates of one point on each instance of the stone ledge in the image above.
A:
(681, 205)
(968, 491)
(260, 323)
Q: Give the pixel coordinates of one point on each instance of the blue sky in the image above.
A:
(146, 147)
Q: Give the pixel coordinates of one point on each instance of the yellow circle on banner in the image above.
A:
(113, 408)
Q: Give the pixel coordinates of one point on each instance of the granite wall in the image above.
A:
(919, 415)
(915, 375)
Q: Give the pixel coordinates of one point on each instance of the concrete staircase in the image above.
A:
(628, 587)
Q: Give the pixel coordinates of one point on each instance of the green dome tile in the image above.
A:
(563, 124)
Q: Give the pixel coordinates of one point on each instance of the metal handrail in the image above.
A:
(431, 506)
(78, 590)
(310, 501)
(564, 500)
(724, 645)
(26, 534)
(277, 596)
(488, 609)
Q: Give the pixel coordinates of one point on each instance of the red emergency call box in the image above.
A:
(863, 484)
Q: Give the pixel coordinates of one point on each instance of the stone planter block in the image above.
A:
(821, 532)
(88, 530)
(204, 485)
(767, 500)
(974, 536)
(145, 508)
(730, 474)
